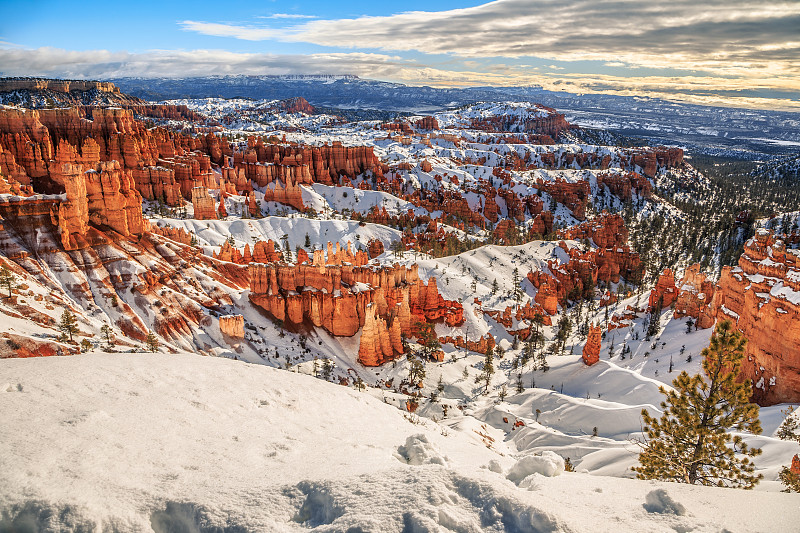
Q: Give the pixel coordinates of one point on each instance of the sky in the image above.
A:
(723, 52)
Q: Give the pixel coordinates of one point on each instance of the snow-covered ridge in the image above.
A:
(134, 443)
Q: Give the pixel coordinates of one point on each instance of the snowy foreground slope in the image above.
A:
(188, 443)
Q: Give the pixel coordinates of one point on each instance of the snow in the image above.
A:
(190, 443)
(547, 464)
(659, 501)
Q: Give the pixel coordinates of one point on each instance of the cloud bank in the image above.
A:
(723, 37)
(104, 64)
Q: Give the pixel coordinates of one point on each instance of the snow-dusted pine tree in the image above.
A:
(691, 442)
(790, 430)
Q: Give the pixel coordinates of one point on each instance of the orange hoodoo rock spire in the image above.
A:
(203, 204)
(591, 351)
(378, 344)
(665, 290)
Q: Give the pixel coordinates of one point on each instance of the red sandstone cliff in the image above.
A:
(762, 297)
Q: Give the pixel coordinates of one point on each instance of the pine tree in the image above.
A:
(152, 342)
(690, 443)
(655, 318)
(503, 393)
(7, 280)
(107, 334)
(327, 369)
(68, 324)
(486, 374)
(427, 338)
(416, 369)
(790, 430)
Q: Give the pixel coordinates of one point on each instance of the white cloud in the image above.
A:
(247, 33)
(723, 37)
(287, 16)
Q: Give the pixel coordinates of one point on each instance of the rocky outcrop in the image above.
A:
(427, 123)
(374, 248)
(335, 297)
(297, 104)
(232, 325)
(113, 201)
(539, 120)
(547, 291)
(379, 343)
(203, 204)
(650, 160)
(624, 184)
(605, 231)
(480, 346)
(574, 196)
(761, 297)
(665, 292)
(591, 350)
(569, 280)
(326, 164)
(61, 86)
(694, 297)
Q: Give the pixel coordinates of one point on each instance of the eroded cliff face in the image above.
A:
(762, 298)
(164, 165)
(342, 298)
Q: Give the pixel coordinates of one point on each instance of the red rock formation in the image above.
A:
(568, 280)
(694, 297)
(574, 196)
(203, 204)
(427, 123)
(297, 104)
(623, 184)
(665, 290)
(795, 468)
(325, 164)
(651, 159)
(221, 211)
(606, 231)
(374, 248)
(546, 294)
(608, 298)
(479, 346)
(164, 163)
(550, 123)
(377, 345)
(62, 86)
(335, 297)
(176, 234)
(591, 350)
(762, 297)
(232, 325)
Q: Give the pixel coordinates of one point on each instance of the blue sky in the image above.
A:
(721, 51)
